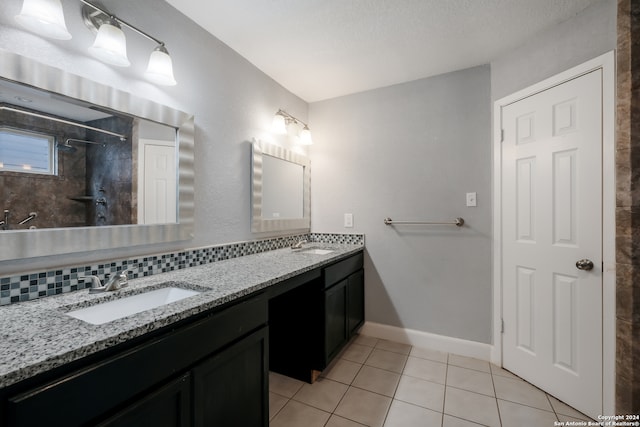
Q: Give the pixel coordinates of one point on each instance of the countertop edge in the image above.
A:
(151, 321)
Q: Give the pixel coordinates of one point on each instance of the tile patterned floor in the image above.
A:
(380, 383)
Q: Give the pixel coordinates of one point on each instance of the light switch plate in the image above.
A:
(472, 199)
(348, 220)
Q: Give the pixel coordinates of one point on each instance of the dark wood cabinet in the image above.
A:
(126, 384)
(335, 320)
(231, 388)
(343, 304)
(168, 406)
(355, 302)
(311, 324)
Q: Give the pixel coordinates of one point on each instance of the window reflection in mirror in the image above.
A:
(105, 168)
(27, 152)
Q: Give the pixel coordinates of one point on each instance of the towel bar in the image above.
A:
(458, 221)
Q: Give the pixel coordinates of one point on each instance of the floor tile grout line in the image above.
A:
(279, 410)
(528, 406)
(469, 391)
(285, 404)
(420, 378)
(392, 351)
(471, 369)
(547, 395)
(349, 386)
(552, 407)
(495, 393)
(444, 397)
(383, 369)
(445, 387)
(393, 398)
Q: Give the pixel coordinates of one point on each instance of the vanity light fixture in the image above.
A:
(282, 119)
(279, 124)
(44, 17)
(160, 68)
(305, 136)
(112, 47)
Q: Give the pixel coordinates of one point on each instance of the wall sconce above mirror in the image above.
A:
(91, 122)
(46, 18)
(280, 184)
(282, 119)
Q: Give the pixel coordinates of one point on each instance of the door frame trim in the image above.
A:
(606, 63)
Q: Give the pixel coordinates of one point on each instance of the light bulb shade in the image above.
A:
(44, 17)
(279, 124)
(160, 68)
(305, 136)
(110, 45)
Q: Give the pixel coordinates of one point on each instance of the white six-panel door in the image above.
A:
(551, 218)
(157, 182)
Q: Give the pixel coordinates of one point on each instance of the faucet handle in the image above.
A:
(299, 244)
(95, 281)
(123, 279)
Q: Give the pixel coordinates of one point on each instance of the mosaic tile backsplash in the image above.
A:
(35, 285)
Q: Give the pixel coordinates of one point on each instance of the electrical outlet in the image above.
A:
(348, 220)
(472, 199)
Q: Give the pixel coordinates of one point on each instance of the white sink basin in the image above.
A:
(317, 251)
(123, 307)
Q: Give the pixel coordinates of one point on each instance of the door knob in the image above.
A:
(584, 264)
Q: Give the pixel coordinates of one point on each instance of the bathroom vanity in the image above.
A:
(305, 337)
(200, 361)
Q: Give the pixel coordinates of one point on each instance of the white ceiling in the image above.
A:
(320, 49)
(19, 95)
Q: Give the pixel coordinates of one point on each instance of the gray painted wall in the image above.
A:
(232, 101)
(412, 151)
(570, 43)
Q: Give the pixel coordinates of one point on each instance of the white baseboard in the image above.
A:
(442, 343)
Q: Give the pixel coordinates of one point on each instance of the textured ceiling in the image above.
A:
(320, 49)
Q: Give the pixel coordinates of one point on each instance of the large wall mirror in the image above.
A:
(281, 183)
(85, 167)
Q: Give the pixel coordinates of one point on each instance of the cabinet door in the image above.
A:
(335, 302)
(231, 387)
(355, 302)
(168, 406)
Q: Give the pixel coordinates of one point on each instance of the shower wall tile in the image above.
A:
(628, 209)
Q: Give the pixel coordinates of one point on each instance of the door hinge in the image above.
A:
(502, 326)
(501, 135)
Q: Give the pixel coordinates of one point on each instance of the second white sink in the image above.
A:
(317, 251)
(123, 307)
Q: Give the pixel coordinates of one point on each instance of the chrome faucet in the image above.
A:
(299, 244)
(5, 222)
(115, 282)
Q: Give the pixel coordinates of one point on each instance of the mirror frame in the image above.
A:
(21, 244)
(259, 224)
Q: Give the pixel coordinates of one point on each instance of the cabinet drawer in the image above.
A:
(168, 406)
(341, 269)
(80, 396)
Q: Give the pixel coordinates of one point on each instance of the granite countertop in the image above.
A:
(37, 335)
